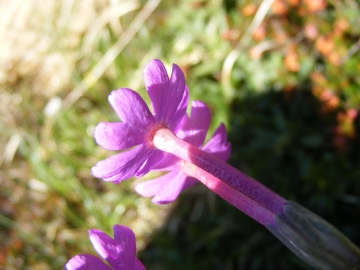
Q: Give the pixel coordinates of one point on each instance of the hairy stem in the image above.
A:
(232, 196)
(166, 141)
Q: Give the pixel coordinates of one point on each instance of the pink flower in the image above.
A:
(119, 252)
(134, 134)
(166, 188)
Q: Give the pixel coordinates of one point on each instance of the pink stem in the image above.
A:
(166, 141)
(235, 198)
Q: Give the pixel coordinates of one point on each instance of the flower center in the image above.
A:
(151, 133)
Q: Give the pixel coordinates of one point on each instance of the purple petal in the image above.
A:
(165, 189)
(156, 80)
(153, 159)
(190, 181)
(175, 122)
(181, 132)
(218, 145)
(131, 108)
(118, 136)
(126, 239)
(86, 262)
(195, 128)
(109, 249)
(123, 165)
(138, 265)
(167, 164)
(165, 94)
(155, 186)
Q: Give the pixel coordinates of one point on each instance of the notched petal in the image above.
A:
(131, 108)
(156, 81)
(165, 94)
(104, 244)
(180, 113)
(174, 95)
(126, 239)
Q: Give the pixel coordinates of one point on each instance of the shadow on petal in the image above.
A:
(123, 165)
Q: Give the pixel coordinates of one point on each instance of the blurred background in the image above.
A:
(282, 75)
